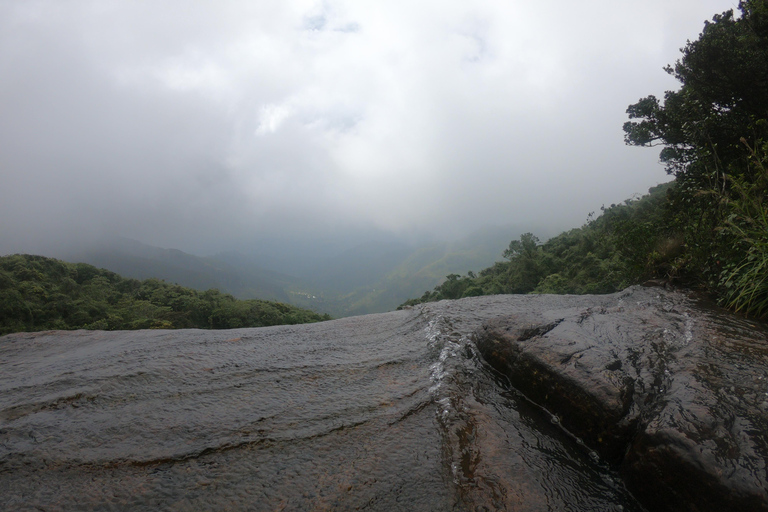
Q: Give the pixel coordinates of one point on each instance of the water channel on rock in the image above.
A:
(382, 412)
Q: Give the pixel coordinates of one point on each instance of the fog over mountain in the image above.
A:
(218, 126)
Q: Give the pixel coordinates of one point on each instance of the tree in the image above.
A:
(724, 77)
(713, 131)
(525, 247)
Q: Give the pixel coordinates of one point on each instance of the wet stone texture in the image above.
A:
(671, 391)
(652, 402)
(382, 413)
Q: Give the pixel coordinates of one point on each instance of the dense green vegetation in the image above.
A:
(620, 247)
(709, 227)
(38, 293)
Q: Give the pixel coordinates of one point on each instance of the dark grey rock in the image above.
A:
(670, 390)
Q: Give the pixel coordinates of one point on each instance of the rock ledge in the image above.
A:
(672, 392)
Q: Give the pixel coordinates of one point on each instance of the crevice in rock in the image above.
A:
(538, 330)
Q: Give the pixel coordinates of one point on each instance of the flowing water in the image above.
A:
(382, 412)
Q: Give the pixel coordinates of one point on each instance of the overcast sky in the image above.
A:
(207, 125)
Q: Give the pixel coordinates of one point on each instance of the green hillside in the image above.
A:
(39, 293)
(626, 244)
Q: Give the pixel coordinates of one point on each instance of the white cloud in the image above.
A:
(271, 117)
(403, 115)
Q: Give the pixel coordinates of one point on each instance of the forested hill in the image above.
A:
(708, 228)
(626, 244)
(39, 293)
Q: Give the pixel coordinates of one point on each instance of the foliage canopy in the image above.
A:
(38, 293)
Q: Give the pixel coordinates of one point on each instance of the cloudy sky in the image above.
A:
(207, 125)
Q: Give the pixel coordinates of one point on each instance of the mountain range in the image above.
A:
(371, 276)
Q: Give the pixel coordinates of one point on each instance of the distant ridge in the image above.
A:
(131, 258)
(372, 276)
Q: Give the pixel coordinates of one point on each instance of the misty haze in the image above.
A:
(237, 126)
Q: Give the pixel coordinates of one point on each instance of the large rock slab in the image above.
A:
(672, 391)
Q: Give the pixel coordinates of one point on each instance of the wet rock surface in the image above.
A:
(390, 412)
(673, 392)
(409, 410)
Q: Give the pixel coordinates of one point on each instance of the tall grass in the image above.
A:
(745, 281)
